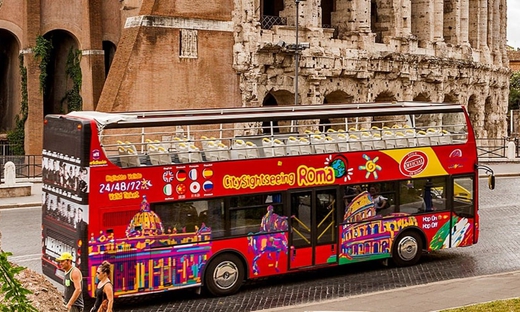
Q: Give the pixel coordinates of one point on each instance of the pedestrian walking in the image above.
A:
(104, 290)
(73, 283)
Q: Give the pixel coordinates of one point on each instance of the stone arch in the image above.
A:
(275, 98)
(58, 82)
(9, 80)
(452, 119)
(385, 96)
(474, 114)
(422, 97)
(335, 97)
(110, 50)
(489, 125)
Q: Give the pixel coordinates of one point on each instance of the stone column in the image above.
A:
(438, 20)
(464, 22)
(92, 60)
(503, 32)
(423, 21)
(483, 25)
(452, 22)
(34, 123)
(496, 34)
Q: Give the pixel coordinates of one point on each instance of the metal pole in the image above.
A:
(296, 57)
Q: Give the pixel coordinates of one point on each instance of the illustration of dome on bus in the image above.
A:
(145, 222)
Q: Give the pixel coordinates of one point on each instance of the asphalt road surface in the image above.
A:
(496, 252)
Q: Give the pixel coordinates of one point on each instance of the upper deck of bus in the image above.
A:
(133, 139)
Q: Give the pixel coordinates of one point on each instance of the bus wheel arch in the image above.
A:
(407, 247)
(224, 274)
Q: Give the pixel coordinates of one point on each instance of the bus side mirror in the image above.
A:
(491, 182)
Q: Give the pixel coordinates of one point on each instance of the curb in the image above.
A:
(22, 205)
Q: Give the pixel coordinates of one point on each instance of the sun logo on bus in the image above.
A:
(370, 166)
(340, 166)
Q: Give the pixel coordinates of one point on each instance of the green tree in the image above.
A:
(15, 295)
(514, 91)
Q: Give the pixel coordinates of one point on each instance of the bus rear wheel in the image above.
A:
(224, 275)
(407, 249)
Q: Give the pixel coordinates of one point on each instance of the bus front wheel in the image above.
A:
(224, 275)
(407, 249)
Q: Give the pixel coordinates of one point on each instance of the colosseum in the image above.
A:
(172, 54)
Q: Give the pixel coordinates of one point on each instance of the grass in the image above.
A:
(494, 306)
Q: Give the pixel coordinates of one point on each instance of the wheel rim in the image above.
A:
(225, 275)
(407, 248)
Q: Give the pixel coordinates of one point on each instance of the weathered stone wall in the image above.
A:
(407, 50)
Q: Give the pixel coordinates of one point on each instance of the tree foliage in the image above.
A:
(16, 137)
(73, 70)
(514, 91)
(15, 295)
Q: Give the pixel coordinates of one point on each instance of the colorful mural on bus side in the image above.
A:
(149, 258)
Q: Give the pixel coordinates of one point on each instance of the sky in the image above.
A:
(513, 23)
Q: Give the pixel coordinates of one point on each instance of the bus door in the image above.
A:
(464, 229)
(313, 228)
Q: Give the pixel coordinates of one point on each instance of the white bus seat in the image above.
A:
(223, 152)
(268, 148)
(238, 151)
(378, 143)
(423, 139)
(305, 147)
(410, 134)
(330, 145)
(279, 148)
(251, 150)
(211, 151)
(318, 142)
(401, 141)
(389, 139)
(332, 133)
(366, 141)
(132, 157)
(341, 142)
(293, 146)
(445, 138)
(353, 143)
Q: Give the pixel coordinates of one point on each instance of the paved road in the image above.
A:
(495, 253)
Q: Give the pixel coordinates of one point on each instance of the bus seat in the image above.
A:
(132, 157)
(423, 139)
(268, 148)
(238, 151)
(279, 147)
(366, 141)
(251, 150)
(445, 138)
(123, 156)
(305, 147)
(378, 143)
(401, 141)
(353, 143)
(330, 145)
(223, 152)
(211, 151)
(410, 134)
(341, 142)
(318, 143)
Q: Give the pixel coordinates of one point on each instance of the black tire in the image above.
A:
(224, 275)
(407, 249)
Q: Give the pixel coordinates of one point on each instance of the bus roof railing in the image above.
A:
(254, 114)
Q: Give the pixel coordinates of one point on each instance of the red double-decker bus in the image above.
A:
(213, 197)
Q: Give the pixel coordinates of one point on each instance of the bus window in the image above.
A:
(422, 195)
(463, 197)
(256, 213)
(181, 217)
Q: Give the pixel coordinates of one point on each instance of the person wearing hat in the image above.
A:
(72, 282)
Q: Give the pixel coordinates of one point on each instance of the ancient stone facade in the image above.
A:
(173, 54)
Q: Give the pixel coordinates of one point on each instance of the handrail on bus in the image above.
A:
(490, 173)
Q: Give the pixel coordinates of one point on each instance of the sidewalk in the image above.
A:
(423, 298)
(24, 201)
